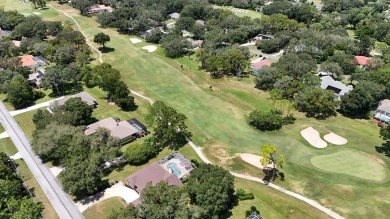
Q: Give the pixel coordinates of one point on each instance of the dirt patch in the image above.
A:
(375, 158)
(219, 154)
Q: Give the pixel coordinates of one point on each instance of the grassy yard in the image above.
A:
(104, 209)
(217, 120)
(249, 13)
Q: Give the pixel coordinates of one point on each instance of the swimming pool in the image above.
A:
(139, 130)
(174, 169)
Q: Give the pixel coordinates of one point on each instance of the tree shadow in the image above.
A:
(106, 49)
(384, 149)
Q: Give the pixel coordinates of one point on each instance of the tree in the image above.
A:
(141, 153)
(317, 103)
(332, 68)
(267, 78)
(82, 176)
(101, 38)
(288, 64)
(357, 103)
(80, 112)
(104, 145)
(164, 201)
(53, 142)
(20, 93)
(270, 155)
(169, 125)
(266, 121)
(175, 46)
(211, 188)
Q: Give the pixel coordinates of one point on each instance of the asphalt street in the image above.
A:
(60, 201)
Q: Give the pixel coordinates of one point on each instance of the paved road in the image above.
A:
(61, 202)
(203, 157)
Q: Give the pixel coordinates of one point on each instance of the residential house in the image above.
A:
(86, 97)
(151, 174)
(4, 33)
(99, 9)
(328, 83)
(263, 37)
(124, 130)
(200, 22)
(16, 43)
(362, 60)
(254, 215)
(257, 65)
(32, 62)
(174, 15)
(36, 77)
(382, 113)
(195, 43)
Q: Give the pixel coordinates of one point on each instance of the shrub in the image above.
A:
(139, 154)
(266, 121)
(248, 196)
(251, 210)
(241, 192)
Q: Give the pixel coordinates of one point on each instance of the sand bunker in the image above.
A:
(150, 48)
(135, 40)
(253, 159)
(313, 137)
(335, 139)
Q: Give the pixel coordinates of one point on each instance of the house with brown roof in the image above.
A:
(152, 175)
(362, 60)
(124, 130)
(257, 65)
(32, 62)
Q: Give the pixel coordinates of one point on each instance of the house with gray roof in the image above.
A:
(254, 215)
(382, 113)
(84, 96)
(36, 77)
(124, 130)
(174, 15)
(340, 89)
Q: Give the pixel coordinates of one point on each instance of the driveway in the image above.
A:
(117, 190)
(37, 106)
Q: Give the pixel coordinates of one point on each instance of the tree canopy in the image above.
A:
(169, 125)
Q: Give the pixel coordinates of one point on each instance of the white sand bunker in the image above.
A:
(335, 139)
(253, 159)
(135, 40)
(313, 137)
(36, 13)
(150, 48)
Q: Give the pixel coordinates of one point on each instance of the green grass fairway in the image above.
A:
(352, 163)
(249, 13)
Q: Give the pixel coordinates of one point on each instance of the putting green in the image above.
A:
(352, 163)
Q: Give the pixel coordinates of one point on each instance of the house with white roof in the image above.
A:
(382, 113)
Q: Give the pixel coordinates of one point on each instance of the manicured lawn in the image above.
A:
(25, 122)
(217, 120)
(272, 204)
(250, 13)
(104, 209)
(353, 163)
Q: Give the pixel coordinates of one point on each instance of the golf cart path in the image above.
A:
(204, 158)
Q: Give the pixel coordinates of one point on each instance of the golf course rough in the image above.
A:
(352, 163)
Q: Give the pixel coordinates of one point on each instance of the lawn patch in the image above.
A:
(352, 163)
